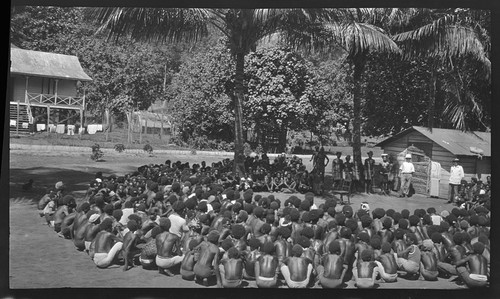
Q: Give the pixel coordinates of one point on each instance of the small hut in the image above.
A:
(41, 79)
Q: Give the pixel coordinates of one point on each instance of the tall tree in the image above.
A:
(243, 28)
(451, 36)
(353, 32)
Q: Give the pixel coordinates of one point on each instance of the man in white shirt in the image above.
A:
(407, 169)
(456, 176)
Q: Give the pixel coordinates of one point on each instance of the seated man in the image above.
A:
(428, 262)
(332, 270)
(365, 271)
(79, 236)
(91, 230)
(296, 269)
(230, 270)
(149, 251)
(386, 263)
(409, 259)
(266, 267)
(475, 274)
(207, 257)
(130, 241)
(105, 246)
(250, 257)
(187, 264)
(168, 250)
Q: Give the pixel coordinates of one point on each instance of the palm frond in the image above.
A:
(152, 24)
(361, 38)
(443, 39)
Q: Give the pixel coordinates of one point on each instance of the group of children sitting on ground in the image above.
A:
(180, 220)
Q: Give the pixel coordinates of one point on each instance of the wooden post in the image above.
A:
(17, 119)
(55, 92)
(81, 124)
(48, 119)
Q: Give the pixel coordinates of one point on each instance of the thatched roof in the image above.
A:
(48, 65)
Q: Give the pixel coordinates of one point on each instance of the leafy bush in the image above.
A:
(148, 148)
(97, 154)
(119, 147)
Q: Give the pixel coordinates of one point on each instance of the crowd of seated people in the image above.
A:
(188, 222)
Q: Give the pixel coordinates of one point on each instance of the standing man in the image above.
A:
(320, 163)
(337, 168)
(369, 172)
(384, 171)
(456, 176)
(407, 169)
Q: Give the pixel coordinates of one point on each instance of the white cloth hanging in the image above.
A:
(40, 127)
(71, 129)
(13, 122)
(60, 129)
(92, 129)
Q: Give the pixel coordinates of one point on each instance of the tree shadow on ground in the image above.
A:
(46, 177)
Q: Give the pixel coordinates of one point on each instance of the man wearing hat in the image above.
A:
(369, 172)
(337, 168)
(407, 169)
(456, 176)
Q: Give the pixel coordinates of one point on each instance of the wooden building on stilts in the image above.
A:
(45, 82)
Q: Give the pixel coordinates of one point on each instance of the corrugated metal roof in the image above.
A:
(455, 141)
(43, 64)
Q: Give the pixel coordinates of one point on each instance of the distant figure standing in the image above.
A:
(320, 163)
(456, 176)
(385, 169)
(407, 169)
(337, 168)
(314, 156)
(369, 172)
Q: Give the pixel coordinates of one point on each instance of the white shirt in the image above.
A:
(407, 167)
(178, 225)
(456, 174)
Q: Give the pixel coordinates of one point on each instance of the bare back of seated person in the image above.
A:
(388, 261)
(298, 268)
(130, 249)
(91, 231)
(365, 269)
(250, 259)
(206, 257)
(429, 260)
(188, 262)
(79, 236)
(60, 214)
(387, 235)
(267, 265)
(282, 249)
(167, 244)
(233, 268)
(104, 241)
(333, 265)
(348, 250)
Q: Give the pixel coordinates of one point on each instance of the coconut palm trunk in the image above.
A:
(239, 157)
(359, 65)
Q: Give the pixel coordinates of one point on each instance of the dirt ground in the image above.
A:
(37, 255)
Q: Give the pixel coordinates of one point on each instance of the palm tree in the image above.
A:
(352, 30)
(446, 39)
(242, 27)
